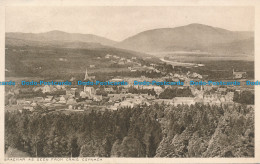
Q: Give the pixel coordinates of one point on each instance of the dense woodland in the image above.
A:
(155, 131)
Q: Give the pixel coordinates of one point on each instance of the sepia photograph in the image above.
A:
(98, 82)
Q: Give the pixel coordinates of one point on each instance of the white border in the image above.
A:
(254, 3)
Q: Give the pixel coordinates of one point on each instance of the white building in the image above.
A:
(90, 90)
(184, 100)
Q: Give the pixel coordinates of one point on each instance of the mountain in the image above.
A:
(61, 59)
(190, 37)
(54, 36)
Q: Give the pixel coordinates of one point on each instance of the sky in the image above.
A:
(118, 23)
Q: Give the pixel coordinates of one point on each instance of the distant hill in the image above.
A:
(61, 60)
(52, 43)
(193, 37)
(60, 36)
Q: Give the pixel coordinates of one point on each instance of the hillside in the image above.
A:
(13, 42)
(60, 36)
(63, 60)
(193, 37)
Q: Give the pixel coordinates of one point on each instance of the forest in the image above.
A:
(156, 131)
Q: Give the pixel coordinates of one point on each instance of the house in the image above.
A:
(71, 92)
(48, 99)
(127, 103)
(97, 98)
(108, 56)
(158, 89)
(222, 89)
(115, 97)
(20, 102)
(30, 108)
(110, 89)
(71, 101)
(62, 100)
(34, 104)
(46, 89)
(165, 101)
(184, 100)
(38, 99)
(114, 107)
(121, 62)
(63, 59)
(35, 89)
(239, 75)
(83, 94)
(90, 90)
(229, 96)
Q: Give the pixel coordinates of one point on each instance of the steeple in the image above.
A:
(86, 74)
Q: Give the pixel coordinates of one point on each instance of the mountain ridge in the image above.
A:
(189, 37)
(56, 35)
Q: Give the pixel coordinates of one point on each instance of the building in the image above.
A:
(86, 74)
(121, 62)
(229, 97)
(115, 97)
(239, 75)
(87, 77)
(165, 101)
(62, 100)
(157, 89)
(83, 94)
(222, 89)
(110, 89)
(97, 98)
(127, 104)
(184, 100)
(21, 102)
(48, 99)
(63, 59)
(90, 90)
(71, 101)
(46, 89)
(38, 99)
(108, 56)
(71, 92)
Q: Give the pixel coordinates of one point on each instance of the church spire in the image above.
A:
(86, 74)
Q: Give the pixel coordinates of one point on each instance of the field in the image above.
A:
(216, 67)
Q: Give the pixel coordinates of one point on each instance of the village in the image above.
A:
(76, 98)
